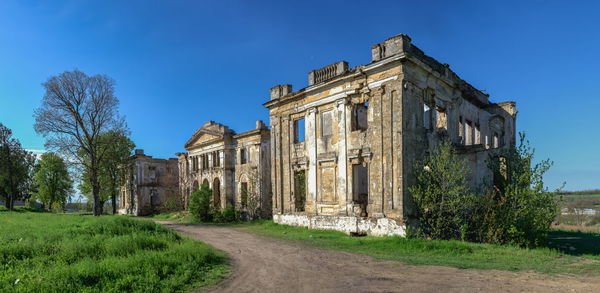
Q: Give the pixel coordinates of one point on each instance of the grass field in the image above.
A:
(569, 195)
(576, 209)
(45, 252)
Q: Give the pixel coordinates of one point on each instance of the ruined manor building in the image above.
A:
(343, 148)
(234, 166)
(151, 186)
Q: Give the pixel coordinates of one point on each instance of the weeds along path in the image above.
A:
(271, 265)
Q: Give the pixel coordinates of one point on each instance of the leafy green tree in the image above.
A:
(113, 168)
(16, 165)
(52, 181)
(116, 149)
(443, 201)
(76, 110)
(199, 204)
(520, 209)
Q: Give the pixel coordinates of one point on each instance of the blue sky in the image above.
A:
(180, 63)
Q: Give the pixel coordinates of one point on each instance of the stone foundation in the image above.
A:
(346, 224)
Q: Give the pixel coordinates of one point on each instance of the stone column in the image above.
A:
(376, 167)
(342, 170)
(274, 164)
(310, 140)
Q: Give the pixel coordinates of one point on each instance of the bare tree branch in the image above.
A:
(76, 110)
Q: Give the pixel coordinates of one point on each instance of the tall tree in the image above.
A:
(76, 109)
(16, 165)
(52, 181)
(113, 168)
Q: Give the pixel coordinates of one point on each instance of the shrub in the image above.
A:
(199, 204)
(230, 214)
(173, 204)
(443, 201)
(519, 210)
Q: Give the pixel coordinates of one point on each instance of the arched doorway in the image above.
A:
(196, 187)
(205, 182)
(217, 193)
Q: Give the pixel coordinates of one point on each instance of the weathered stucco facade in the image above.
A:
(151, 186)
(234, 166)
(343, 148)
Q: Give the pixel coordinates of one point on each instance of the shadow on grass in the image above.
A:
(575, 242)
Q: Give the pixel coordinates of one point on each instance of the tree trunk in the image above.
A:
(114, 201)
(10, 202)
(97, 202)
(95, 191)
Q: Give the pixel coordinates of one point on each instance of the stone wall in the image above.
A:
(356, 133)
(350, 225)
(229, 163)
(151, 186)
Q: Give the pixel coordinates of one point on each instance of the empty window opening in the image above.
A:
(244, 194)
(496, 140)
(500, 172)
(477, 134)
(299, 130)
(359, 116)
(426, 116)
(441, 119)
(217, 193)
(461, 130)
(299, 190)
(469, 133)
(326, 123)
(216, 161)
(360, 187)
(243, 156)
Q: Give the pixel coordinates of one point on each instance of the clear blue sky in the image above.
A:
(180, 63)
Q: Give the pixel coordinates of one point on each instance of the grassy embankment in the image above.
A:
(45, 252)
(567, 251)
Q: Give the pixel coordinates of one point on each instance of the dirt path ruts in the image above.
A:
(263, 264)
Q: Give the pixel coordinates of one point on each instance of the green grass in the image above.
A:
(557, 258)
(180, 217)
(23, 210)
(564, 195)
(186, 218)
(45, 252)
(584, 244)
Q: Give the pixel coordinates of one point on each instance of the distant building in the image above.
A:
(344, 147)
(151, 186)
(235, 166)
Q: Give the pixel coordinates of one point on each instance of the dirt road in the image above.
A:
(263, 264)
